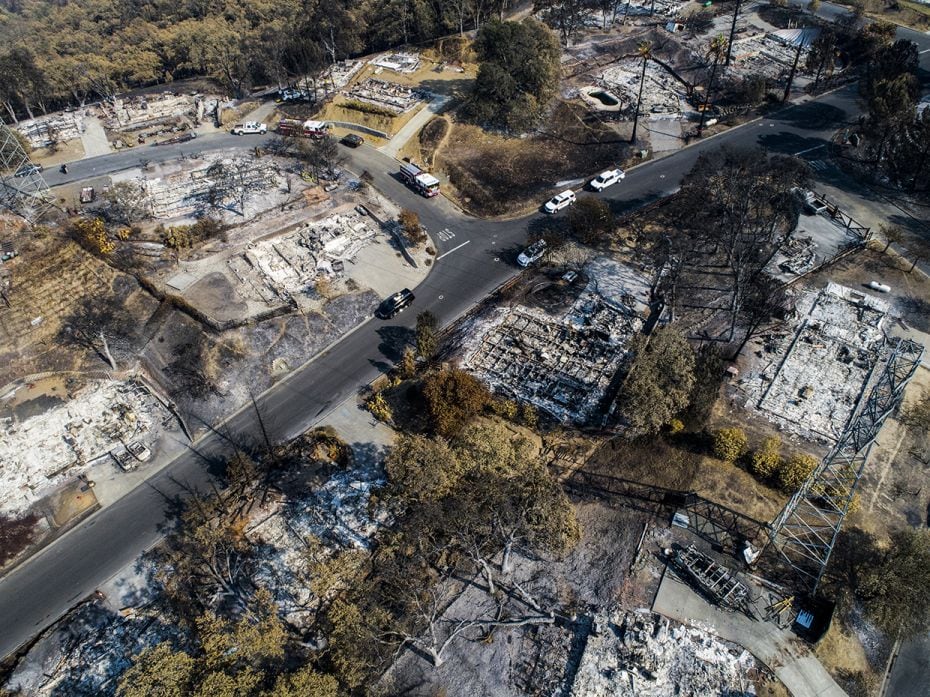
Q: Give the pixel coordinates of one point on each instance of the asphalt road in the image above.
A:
(469, 265)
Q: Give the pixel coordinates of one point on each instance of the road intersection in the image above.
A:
(474, 257)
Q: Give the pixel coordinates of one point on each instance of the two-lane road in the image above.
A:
(474, 257)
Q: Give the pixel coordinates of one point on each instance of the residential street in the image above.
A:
(471, 262)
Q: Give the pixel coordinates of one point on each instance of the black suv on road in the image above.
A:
(393, 304)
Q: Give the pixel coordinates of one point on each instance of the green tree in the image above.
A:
(517, 75)
(453, 399)
(427, 335)
(891, 109)
(730, 444)
(306, 682)
(822, 55)
(894, 592)
(591, 220)
(408, 363)
(424, 469)
(659, 381)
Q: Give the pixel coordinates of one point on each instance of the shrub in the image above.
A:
(676, 426)
(505, 408)
(367, 108)
(453, 399)
(794, 472)
(529, 417)
(767, 459)
(93, 235)
(729, 444)
(379, 408)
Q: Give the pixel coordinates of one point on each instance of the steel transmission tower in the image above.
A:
(26, 195)
(805, 531)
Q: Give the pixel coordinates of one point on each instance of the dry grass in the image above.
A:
(843, 656)
(68, 151)
(337, 111)
(51, 278)
(683, 466)
(492, 174)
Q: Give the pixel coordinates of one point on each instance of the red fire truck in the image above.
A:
(424, 182)
(306, 129)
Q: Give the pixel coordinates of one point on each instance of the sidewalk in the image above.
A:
(94, 138)
(413, 126)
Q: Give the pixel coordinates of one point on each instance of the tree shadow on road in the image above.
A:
(394, 339)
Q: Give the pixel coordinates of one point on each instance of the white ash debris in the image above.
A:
(399, 62)
(45, 131)
(663, 94)
(338, 516)
(208, 184)
(639, 654)
(87, 652)
(287, 266)
(40, 453)
(387, 95)
(131, 113)
(809, 380)
(338, 513)
(564, 364)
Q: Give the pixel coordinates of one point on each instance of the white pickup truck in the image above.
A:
(608, 178)
(249, 127)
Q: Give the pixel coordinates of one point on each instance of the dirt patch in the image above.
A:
(65, 152)
(431, 138)
(216, 295)
(71, 502)
(492, 175)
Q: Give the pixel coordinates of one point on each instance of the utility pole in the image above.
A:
(732, 31)
(794, 68)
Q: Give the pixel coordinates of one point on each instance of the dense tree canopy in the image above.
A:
(518, 74)
(71, 51)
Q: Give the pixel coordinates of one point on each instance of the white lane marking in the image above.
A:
(923, 52)
(452, 250)
(816, 147)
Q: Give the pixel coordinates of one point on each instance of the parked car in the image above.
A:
(570, 276)
(27, 169)
(880, 287)
(249, 127)
(811, 203)
(352, 140)
(560, 201)
(532, 254)
(293, 95)
(608, 178)
(393, 304)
